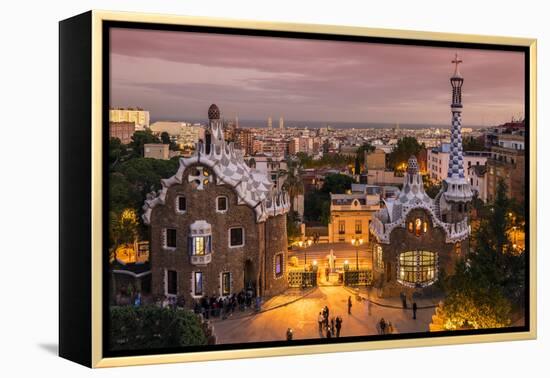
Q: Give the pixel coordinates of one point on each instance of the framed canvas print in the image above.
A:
(235, 189)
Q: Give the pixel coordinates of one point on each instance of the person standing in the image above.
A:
(338, 326)
(403, 300)
(332, 322)
(382, 326)
(320, 320)
(390, 328)
(415, 307)
(349, 304)
(289, 334)
(329, 333)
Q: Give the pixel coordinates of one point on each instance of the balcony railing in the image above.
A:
(200, 259)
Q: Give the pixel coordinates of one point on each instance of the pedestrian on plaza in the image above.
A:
(327, 271)
(329, 333)
(382, 326)
(332, 322)
(414, 310)
(320, 320)
(289, 334)
(403, 300)
(390, 328)
(349, 304)
(338, 326)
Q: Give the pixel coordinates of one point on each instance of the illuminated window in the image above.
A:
(341, 227)
(278, 265)
(458, 248)
(410, 227)
(200, 245)
(197, 283)
(417, 268)
(417, 226)
(358, 227)
(378, 257)
(226, 283)
(425, 228)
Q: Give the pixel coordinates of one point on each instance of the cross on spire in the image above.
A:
(456, 61)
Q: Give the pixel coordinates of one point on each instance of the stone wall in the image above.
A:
(402, 240)
(201, 205)
(275, 243)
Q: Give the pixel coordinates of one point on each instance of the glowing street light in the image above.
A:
(356, 242)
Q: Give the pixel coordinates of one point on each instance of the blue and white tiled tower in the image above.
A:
(456, 192)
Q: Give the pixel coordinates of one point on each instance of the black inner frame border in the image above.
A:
(107, 25)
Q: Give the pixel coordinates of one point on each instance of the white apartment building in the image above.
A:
(186, 134)
(139, 116)
(438, 161)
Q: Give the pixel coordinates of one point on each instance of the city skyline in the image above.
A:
(173, 74)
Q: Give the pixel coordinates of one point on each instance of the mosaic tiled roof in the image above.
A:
(412, 196)
(253, 188)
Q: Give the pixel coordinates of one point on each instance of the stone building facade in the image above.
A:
(350, 216)
(217, 226)
(417, 237)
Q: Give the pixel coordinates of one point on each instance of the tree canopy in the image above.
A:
(337, 183)
(473, 144)
(405, 148)
(326, 161)
(317, 202)
(139, 139)
(489, 285)
(131, 180)
(149, 327)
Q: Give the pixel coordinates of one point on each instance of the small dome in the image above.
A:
(213, 112)
(412, 166)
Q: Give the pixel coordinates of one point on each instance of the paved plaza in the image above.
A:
(300, 312)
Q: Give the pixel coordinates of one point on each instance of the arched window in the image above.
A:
(458, 248)
(417, 226)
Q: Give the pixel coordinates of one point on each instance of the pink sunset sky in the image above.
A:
(177, 75)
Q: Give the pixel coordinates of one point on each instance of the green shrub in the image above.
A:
(149, 327)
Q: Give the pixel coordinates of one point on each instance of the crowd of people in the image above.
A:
(224, 306)
(329, 328)
(385, 328)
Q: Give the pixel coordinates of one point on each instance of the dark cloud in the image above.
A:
(178, 74)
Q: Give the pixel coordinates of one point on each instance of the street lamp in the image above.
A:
(306, 244)
(356, 242)
(301, 245)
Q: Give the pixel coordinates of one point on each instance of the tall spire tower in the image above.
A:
(456, 191)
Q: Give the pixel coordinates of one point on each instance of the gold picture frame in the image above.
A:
(91, 24)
